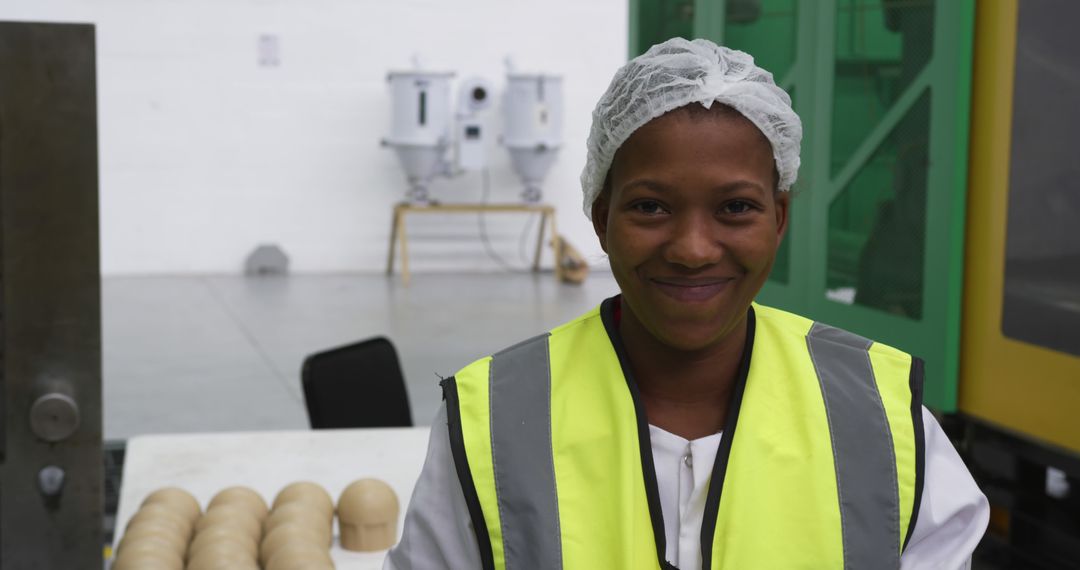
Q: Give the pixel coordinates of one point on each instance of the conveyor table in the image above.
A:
(204, 464)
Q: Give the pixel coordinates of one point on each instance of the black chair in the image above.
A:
(358, 385)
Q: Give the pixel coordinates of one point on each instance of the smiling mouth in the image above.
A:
(691, 291)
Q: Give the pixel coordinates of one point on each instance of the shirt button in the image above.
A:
(688, 460)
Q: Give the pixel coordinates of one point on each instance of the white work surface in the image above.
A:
(204, 464)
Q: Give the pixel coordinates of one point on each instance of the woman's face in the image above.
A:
(691, 223)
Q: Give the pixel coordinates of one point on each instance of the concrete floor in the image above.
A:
(222, 353)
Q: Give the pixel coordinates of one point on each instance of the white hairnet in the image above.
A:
(679, 72)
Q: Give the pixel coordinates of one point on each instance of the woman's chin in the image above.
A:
(690, 336)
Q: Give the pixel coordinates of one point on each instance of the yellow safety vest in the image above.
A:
(819, 466)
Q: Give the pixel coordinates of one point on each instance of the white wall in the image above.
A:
(205, 154)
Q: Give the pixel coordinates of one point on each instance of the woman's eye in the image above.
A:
(737, 207)
(648, 207)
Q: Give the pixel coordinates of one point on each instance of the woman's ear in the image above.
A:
(600, 209)
(783, 209)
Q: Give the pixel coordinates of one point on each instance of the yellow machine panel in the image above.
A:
(1021, 386)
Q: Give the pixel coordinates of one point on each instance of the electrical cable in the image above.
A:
(522, 256)
(486, 178)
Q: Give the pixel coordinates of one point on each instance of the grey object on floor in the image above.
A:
(267, 259)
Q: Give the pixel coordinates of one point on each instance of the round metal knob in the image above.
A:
(54, 417)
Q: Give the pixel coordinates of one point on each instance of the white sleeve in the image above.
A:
(438, 532)
(953, 513)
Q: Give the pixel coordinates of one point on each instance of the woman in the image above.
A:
(679, 424)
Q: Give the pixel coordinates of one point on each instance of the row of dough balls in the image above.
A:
(157, 536)
(299, 530)
(228, 535)
(239, 531)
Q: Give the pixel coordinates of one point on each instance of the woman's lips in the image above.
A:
(691, 291)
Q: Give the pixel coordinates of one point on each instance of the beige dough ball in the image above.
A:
(300, 556)
(304, 565)
(221, 556)
(152, 548)
(231, 515)
(307, 492)
(303, 515)
(368, 516)
(157, 532)
(287, 533)
(240, 540)
(145, 559)
(156, 540)
(223, 564)
(163, 515)
(247, 497)
(178, 499)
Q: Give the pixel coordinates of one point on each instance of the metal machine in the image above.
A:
(474, 98)
(50, 315)
(420, 131)
(423, 131)
(430, 139)
(532, 127)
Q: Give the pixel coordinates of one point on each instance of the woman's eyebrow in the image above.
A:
(726, 188)
(647, 183)
(737, 185)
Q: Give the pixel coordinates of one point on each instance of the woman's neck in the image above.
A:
(684, 392)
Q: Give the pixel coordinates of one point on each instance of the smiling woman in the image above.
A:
(691, 214)
(679, 423)
(691, 220)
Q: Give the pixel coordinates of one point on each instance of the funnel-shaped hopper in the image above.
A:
(532, 165)
(421, 163)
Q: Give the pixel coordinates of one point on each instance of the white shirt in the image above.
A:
(438, 533)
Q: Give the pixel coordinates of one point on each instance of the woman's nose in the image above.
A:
(694, 243)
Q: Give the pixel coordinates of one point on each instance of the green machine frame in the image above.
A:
(883, 87)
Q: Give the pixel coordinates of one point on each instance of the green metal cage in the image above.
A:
(883, 87)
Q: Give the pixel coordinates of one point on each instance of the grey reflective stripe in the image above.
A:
(520, 388)
(862, 448)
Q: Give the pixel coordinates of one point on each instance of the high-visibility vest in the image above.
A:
(819, 465)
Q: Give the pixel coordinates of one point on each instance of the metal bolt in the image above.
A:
(51, 480)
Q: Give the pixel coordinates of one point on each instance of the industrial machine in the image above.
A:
(474, 97)
(50, 315)
(532, 126)
(1020, 338)
(420, 129)
(967, 257)
(430, 142)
